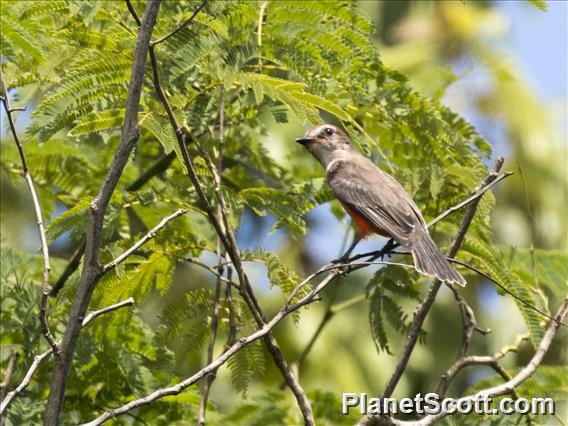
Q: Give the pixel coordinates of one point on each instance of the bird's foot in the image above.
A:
(342, 259)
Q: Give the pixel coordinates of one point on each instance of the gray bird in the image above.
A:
(376, 202)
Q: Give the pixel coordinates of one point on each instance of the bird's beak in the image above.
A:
(305, 141)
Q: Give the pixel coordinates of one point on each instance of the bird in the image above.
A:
(375, 200)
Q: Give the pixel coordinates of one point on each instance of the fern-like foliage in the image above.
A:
(387, 285)
(245, 365)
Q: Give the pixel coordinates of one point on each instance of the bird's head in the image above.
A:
(326, 143)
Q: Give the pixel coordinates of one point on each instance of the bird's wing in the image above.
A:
(377, 196)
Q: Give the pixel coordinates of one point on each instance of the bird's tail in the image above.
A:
(430, 261)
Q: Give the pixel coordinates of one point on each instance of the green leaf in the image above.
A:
(98, 121)
(246, 364)
(76, 218)
(160, 127)
(540, 4)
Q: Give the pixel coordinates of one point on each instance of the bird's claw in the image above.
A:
(342, 259)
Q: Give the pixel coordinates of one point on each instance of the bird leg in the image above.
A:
(386, 250)
(345, 257)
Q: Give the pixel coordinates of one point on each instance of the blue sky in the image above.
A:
(539, 40)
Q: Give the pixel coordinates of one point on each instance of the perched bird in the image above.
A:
(376, 202)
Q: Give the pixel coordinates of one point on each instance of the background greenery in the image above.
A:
(385, 71)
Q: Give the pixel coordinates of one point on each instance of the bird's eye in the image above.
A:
(328, 131)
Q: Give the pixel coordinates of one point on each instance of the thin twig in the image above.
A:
(213, 270)
(132, 11)
(505, 289)
(180, 26)
(259, 33)
(208, 382)
(46, 332)
(465, 361)
(39, 358)
(233, 315)
(151, 234)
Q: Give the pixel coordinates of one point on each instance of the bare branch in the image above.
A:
(18, 109)
(509, 386)
(208, 382)
(132, 11)
(92, 270)
(94, 314)
(424, 307)
(466, 361)
(233, 326)
(24, 384)
(180, 26)
(39, 358)
(46, 332)
(491, 180)
(151, 234)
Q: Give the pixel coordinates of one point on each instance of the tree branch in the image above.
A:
(510, 385)
(10, 396)
(92, 270)
(213, 270)
(151, 234)
(424, 307)
(45, 331)
(466, 361)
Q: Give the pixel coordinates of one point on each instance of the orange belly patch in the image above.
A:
(364, 227)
